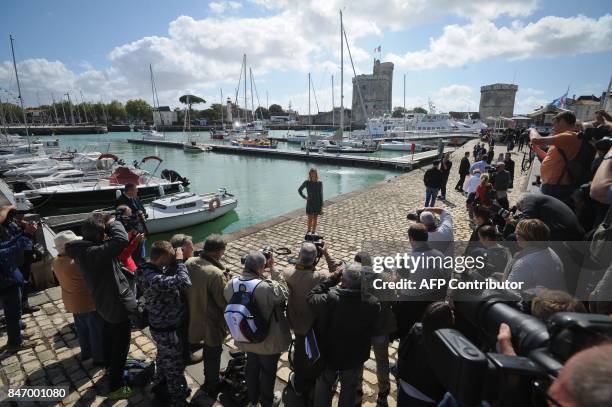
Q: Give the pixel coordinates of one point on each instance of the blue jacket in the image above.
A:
(17, 242)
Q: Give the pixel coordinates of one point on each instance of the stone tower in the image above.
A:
(376, 90)
(496, 100)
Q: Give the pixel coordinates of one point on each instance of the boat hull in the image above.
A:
(97, 198)
(166, 224)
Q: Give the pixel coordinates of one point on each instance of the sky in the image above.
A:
(447, 49)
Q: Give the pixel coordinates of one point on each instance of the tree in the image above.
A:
(12, 113)
(262, 112)
(138, 109)
(276, 109)
(116, 111)
(399, 111)
(419, 109)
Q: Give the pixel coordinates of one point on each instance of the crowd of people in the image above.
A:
(323, 315)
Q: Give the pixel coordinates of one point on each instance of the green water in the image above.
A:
(265, 188)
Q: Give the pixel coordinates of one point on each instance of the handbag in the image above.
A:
(136, 310)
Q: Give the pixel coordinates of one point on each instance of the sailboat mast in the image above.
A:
(25, 119)
(404, 103)
(333, 112)
(252, 102)
(246, 117)
(309, 117)
(341, 130)
(54, 109)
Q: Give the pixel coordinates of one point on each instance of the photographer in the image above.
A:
(346, 319)
(129, 197)
(14, 240)
(185, 242)
(509, 163)
(104, 239)
(206, 305)
(161, 287)
(564, 146)
(300, 282)
(443, 232)
(270, 295)
(433, 182)
(464, 170)
(124, 215)
(560, 219)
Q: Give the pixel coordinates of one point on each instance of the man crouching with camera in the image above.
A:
(303, 278)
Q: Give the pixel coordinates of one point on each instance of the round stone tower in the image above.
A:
(497, 100)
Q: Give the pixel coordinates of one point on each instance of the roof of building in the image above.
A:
(163, 109)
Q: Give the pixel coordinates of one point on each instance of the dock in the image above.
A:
(57, 130)
(404, 163)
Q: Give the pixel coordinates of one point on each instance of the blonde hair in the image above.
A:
(533, 230)
(313, 175)
(484, 178)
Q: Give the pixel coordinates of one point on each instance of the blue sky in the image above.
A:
(447, 49)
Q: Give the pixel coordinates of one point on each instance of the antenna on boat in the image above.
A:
(25, 119)
(341, 129)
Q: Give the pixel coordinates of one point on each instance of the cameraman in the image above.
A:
(300, 281)
(14, 240)
(104, 239)
(123, 214)
(443, 232)
(129, 197)
(206, 305)
(560, 219)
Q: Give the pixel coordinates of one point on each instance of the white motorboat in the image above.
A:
(328, 146)
(66, 177)
(187, 209)
(43, 168)
(151, 134)
(396, 145)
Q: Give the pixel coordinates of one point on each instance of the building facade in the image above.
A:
(376, 91)
(164, 116)
(584, 107)
(497, 100)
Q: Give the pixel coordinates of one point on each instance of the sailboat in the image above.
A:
(152, 133)
(220, 134)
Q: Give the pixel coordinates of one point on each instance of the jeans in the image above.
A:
(349, 380)
(260, 378)
(11, 302)
(90, 330)
(430, 196)
(443, 189)
(561, 192)
(212, 364)
(116, 347)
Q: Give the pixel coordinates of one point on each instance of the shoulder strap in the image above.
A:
(565, 166)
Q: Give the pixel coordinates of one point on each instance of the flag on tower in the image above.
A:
(377, 49)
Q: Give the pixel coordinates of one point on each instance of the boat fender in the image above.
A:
(161, 191)
(211, 205)
(181, 188)
(117, 193)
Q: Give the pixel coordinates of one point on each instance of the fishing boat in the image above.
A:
(187, 209)
(255, 143)
(104, 192)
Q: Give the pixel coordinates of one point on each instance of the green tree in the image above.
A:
(398, 111)
(12, 113)
(419, 109)
(138, 109)
(276, 109)
(116, 111)
(262, 112)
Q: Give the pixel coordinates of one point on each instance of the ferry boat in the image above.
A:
(187, 209)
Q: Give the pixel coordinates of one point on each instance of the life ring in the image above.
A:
(211, 204)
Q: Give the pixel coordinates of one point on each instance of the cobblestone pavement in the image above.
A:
(375, 213)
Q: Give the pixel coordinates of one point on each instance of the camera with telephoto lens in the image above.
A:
(414, 216)
(503, 212)
(465, 361)
(129, 222)
(267, 251)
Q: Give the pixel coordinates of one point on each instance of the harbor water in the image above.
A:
(265, 188)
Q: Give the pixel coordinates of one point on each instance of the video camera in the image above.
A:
(472, 375)
(414, 216)
(267, 251)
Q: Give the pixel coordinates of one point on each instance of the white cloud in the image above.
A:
(529, 104)
(219, 7)
(480, 40)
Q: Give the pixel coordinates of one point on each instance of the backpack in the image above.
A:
(242, 314)
(138, 372)
(579, 167)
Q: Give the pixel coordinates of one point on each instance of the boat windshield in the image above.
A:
(158, 205)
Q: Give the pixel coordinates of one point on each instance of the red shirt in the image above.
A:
(125, 258)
